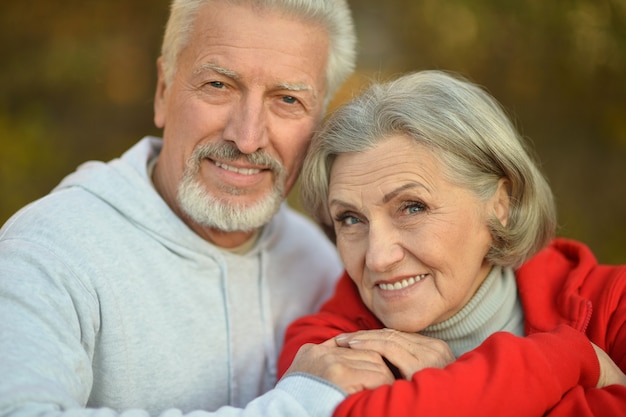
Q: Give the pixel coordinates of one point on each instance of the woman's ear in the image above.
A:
(501, 200)
(160, 96)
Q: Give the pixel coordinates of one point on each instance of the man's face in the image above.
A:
(238, 115)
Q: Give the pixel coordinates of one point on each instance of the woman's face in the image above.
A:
(413, 242)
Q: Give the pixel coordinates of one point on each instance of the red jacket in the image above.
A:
(567, 299)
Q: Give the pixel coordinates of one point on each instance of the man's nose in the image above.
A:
(247, 125)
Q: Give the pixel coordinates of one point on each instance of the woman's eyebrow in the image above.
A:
(392, 194)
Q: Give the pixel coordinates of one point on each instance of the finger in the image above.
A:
(401, 361)
(380, 334)
(410, 342)
(357, 370)
(610, 373)
(351, 370)
(408, 352)
(330, 342)
(386, 341)
(317, 359)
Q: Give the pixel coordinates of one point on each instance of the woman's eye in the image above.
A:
(351, 220)
(347, 220)
(413, 208)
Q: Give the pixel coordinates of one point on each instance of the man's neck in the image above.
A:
(232, 241)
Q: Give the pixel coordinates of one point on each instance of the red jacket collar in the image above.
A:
(550, 285)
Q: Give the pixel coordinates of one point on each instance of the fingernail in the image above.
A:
(341, 338)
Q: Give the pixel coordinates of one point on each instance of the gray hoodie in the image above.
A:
(110, 304)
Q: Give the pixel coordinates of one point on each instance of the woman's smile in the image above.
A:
(400, 284)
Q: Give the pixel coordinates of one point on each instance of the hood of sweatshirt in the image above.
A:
(124, 184)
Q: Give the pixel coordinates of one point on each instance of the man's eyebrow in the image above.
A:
(216, 68)
(297, 88)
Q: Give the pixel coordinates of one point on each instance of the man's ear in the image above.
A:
(501, 201)
(160, 99)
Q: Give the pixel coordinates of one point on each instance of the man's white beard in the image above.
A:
(209, 211)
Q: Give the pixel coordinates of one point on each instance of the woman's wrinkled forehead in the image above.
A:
(395, 159)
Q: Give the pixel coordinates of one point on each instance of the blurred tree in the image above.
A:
(78, 77)
(77, 83)
(559, 67)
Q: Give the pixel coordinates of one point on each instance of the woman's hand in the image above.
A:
(352, 370)
(610, 373)
(408, 352)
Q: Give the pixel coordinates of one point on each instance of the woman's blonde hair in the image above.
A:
(469, 133)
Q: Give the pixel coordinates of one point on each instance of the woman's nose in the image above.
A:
(384, 250)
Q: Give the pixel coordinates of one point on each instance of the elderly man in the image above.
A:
(162, 282)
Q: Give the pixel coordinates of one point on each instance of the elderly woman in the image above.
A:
(445, 226)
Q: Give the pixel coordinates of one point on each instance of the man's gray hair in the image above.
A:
(333, 15)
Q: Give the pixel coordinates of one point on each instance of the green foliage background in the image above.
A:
(77, 81)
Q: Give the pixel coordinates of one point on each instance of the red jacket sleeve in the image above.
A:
(578, 281)
(607, 330)
(547, 373)
(506, 375)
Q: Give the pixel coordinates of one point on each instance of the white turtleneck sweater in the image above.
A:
(495, 307)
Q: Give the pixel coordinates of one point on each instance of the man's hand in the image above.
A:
(352, 370)
(409, 352)
(610, 373)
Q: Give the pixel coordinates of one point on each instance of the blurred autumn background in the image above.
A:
(77, 81)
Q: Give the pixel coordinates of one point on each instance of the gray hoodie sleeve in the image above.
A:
(294, 396)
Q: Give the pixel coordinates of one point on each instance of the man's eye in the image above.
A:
(217, 84)
(290, 99)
